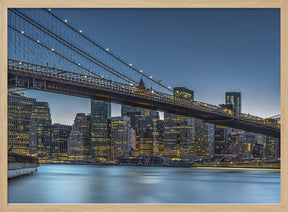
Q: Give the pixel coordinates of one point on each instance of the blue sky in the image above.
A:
(210, 51)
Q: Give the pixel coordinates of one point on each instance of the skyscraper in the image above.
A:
(273, 148)
(145, 124)
(159, 149)
(204, 139)
(39, 130)
(78, 144)
(234, 99)
(19, 115)
(179, 135)
(148, 136)
(131, 141)
(179, 131)
(220, 145)
(59, 136)
(101, 130)
(119, 136)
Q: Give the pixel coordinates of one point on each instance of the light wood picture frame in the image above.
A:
(282, 4)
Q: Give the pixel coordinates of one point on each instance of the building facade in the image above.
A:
(146, 125)
(221, 141)
(204, 139)
(119, 136)
(101, 130)
(234, 99)
(78, 144)
(59, 137)
(19, 115)
(40, 131)
(273, 148)
(179, 136)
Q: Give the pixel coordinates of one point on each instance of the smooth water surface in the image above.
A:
(94, 184)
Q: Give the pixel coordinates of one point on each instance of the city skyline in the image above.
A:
(231, 49)
(137, 132)
(195, 88)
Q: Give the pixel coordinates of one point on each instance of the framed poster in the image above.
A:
(54, 50)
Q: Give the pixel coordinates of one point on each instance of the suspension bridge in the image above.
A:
(48, 54)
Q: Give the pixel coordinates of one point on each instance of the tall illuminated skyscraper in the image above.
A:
(179, 131)
(59, 136)
(179, 135)
(119, 136)
(204, 139)
(19, 115)
(273, 148)
(221, 141)
(40, 129)
(101, 130)
(78, 144)
(145, 123)
(234, 99)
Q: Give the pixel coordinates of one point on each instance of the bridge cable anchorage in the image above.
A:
(65, 43)
(108, 52)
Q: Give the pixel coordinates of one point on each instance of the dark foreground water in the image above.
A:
(91, 184)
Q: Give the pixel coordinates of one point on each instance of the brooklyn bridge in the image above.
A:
(46, 53)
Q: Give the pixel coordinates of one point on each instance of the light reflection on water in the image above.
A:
(91, 184)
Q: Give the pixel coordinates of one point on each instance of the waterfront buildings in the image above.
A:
(79, 145)
(179, 131)
(59, 136)
(148, 136)
(131, 141)
(145, 123)
(19, 115)
(204, 139)
(101, 130)
(179, 135)
(272, 148)
(137, 132)
(220, 141)
(160, 144)
(120, 127)
(39, 130)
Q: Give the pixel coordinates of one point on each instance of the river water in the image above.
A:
(92, 184)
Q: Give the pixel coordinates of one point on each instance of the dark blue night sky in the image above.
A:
(210, 51)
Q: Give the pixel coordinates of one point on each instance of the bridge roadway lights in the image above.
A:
(85, 89)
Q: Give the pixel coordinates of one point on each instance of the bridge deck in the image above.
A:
(30, 76)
